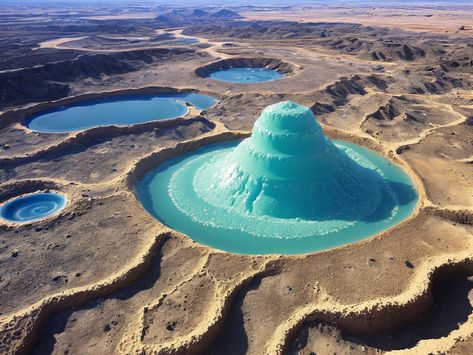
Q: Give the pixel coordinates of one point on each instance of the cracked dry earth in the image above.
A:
(105, 277)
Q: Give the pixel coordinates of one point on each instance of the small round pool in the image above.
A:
(246, 75)
(119, 110)
(32, 207)
(287, 189)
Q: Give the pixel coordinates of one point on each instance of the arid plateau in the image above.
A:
(101, 275)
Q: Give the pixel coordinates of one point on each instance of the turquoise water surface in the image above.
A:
(287, 189)
(32, 207)
(120, 110)
(246, 75)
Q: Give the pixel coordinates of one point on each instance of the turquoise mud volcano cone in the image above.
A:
(289, 169)
(286, 189)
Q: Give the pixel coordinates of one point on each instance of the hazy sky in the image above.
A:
(229, 2)
(243, 2)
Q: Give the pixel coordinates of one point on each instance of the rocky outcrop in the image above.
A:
(392, 109)
(441, 84)
(337, 94)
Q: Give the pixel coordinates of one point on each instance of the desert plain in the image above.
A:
(103, 276)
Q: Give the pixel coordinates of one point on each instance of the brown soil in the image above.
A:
(103, 276)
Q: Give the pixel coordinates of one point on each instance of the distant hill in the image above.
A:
(199, 13)
(226, 14)
(182, 17)
(164, 18)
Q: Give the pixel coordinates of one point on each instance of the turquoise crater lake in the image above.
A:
(32, 207)
(246, 75)
(119, 110)
(287, 189)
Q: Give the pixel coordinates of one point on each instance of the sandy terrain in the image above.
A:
(423, 19)
(59, 41)
(123, 16)
(103, 276)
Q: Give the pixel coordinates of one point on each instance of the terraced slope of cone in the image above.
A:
(289, 169)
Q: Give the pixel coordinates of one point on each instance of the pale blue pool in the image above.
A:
(120, 110)
(246, 75)
(287, 189)
(32, 207)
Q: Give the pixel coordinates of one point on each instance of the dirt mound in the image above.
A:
(441, 84)
(337, 94)
(392, 109)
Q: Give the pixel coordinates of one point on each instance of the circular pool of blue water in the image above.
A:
(32, 207)
(246, 75)
(168, 193)
(118, 110)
